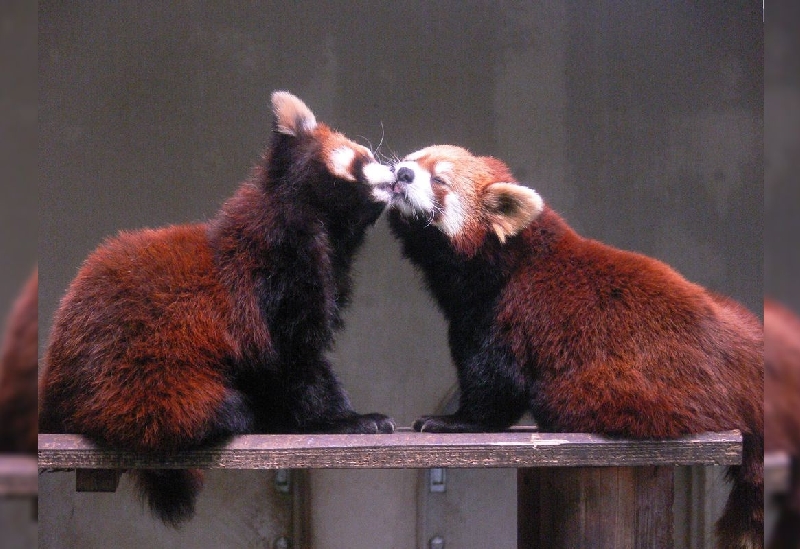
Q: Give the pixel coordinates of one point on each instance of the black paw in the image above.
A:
(448, 424)
(383, 424)
(367, 424)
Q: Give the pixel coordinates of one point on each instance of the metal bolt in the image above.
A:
(438, 480)
(283, 481)
(282, 543)
(437, 542)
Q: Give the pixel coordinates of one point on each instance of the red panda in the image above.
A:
(586, 337)
(175, 337)
(782, 410)
(18, 370)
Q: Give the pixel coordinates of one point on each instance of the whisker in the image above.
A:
(394, 157)
(436, 210)
(378, 148)
(369, 143)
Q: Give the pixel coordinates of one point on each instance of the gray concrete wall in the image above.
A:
(781, 166)
(782, 148)
(642, 124)
(18, 202)
(18, 197)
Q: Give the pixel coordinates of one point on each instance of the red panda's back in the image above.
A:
(626, 345)
(18, 369)
(140, 341)
(782, 373)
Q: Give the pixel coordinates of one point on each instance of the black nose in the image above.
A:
(405, 175)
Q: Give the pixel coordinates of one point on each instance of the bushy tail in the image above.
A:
(170, 493)
(742, 523)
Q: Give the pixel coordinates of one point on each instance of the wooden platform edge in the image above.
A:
(406, 449)
(777, 472)
(18, 475)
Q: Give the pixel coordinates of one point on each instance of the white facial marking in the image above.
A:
(382, 194)
(378, 174)
(418, 195)
(453, 216)
(444, 167)
(340, 161)
(416, 155)
(380, 177)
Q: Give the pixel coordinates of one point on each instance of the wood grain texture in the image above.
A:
(405, 449)
(595, 508)
(18, 476)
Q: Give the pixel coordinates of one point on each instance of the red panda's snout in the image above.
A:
(413, 192)
(380, 179)
(352, 162)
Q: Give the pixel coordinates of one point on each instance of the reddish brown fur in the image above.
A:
(177, 337)
(587, 337)
(674, 359)
(18, 368)
(673, 350)
(116, 401)
(782, 411)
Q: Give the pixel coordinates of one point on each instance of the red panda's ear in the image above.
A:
(511, 208)
(292, 116)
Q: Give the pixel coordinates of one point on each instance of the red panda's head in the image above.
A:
(466, 197)
(305, 147)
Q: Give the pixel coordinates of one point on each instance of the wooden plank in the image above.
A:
(654, 493)
(18, 475)
(528, 490)
(777, 466)
(595, 508)
(405, 449)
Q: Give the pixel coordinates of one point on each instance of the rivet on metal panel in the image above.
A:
(283, 480)
(438, 479)
(437, 542)
(282, 543)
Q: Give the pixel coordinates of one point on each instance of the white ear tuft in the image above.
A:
(292, 116)
(511, 208)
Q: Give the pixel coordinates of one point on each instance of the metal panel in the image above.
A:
(477, 509)
(235, 509)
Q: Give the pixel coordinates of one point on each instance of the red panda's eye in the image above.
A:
(439, 181)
